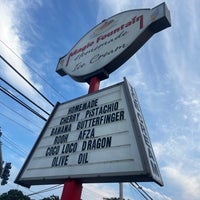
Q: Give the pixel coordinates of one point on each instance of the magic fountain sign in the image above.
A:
(108, 45)
(99, 137)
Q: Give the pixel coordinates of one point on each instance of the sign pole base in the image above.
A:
(72, 189)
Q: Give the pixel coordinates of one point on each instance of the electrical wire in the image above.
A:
(31, 68)
(16, 122)
(21, 102)
(20, 115)
(14, 144)
(55, 187)
(47, 189)
(8, 147)
(29, 190)
(24, 96)
(26, 106)
(140, 187)
(139, 191)
(142, 192)
(26, 80)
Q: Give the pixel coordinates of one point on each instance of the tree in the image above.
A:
(51, 198)
(14, 195)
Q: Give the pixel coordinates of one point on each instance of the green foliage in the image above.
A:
(14, 195)
(51, 198)
(18, 195)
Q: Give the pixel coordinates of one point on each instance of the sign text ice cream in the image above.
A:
(111, 43)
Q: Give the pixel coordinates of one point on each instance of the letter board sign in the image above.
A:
(99, 137)
(111, 43)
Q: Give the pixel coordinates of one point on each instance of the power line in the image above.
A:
(28, 189)
(14, 144)
(31, 68)
(140, 187)
(21, 102)
(24, 96)
(47, 189)
(139, 191)
(18, 114)
(26, 81)
(19, 154)
(144, 194)
(11, 186)
(16, 122)
(26, 106)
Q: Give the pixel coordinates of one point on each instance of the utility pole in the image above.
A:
(121, 191)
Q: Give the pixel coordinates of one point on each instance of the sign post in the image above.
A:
(72, 189)
(94, 85)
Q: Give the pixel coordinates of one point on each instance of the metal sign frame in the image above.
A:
(116, 149)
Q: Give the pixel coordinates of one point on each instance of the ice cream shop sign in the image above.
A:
(96, 138)
(100, 137)
(108, 45)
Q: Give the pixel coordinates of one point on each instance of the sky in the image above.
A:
(165, 73)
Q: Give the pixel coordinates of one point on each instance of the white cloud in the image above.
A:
(180, 164)
(96, 191)
(10, 32)
(187, 185)
(172, 96)
(12, 25)
(156, 195)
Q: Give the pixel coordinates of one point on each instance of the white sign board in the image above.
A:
(111, 43)
(101, 137)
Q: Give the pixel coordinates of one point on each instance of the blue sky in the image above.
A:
(165, 73)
